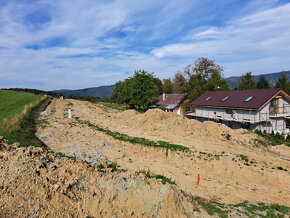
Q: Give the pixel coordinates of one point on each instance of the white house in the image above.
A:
(260, 109)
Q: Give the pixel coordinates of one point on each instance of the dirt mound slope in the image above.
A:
(35, 182)
(158, 120)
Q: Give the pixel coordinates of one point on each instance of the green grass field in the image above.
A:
(13, 103)
(16, 121)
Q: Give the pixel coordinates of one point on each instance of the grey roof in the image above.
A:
(171, 106)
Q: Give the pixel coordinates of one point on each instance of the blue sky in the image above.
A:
(74, 44)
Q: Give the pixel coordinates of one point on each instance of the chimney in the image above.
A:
(163, 96)
(218, 88)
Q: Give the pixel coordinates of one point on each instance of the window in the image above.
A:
(208, 98)
(249, 98)
(187, 109)
(274, 106)
(225, 98)
(229, 111)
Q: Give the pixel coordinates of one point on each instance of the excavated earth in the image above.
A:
(234, 165)
(35, 182)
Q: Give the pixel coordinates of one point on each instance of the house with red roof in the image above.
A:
(260, 109)
(171, 102)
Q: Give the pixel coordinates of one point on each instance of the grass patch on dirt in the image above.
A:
(245, 209)
(114, 106)
(137, 140)
(164, 179)
(18, 112)
(273, 139)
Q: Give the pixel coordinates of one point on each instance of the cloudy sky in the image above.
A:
(74, 44)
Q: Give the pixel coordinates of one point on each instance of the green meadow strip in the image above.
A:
(136, 140)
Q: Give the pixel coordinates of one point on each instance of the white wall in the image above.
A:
(260, 120)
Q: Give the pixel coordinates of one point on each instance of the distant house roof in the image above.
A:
(243, 99)
(171, 106)
(170, 99)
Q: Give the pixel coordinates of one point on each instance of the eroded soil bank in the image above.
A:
(35, 182)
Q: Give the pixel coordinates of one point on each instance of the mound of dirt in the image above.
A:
(171, 123)
(127, 114)
(35, 182)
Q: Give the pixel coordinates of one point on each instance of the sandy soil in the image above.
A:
(37, 183)
(225, 176)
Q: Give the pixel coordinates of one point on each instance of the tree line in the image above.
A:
(247, 82)
(36, 92)
(143, 88)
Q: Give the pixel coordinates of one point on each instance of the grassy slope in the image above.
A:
(16, 117)
(13, 103)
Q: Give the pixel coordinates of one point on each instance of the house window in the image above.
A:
(274, 106)
(208, 98)
(229, 111)
(287, 124)
(187, 109)
(225, 98)
(249, 98)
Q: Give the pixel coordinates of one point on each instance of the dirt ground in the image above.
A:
(35, 182)
(232, 164)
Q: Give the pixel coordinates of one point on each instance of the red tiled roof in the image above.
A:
(171, 99)
(237, 98)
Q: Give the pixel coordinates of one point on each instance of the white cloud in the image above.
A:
(101, 42)
(260, 36)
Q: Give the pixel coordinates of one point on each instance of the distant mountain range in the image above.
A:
(99, 91)
(107, 90)
(271, 77)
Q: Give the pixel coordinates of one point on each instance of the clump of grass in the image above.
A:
(65, 155)
(115, 106)
(211, 208)
(137, 140)
(42, 123)
(272, 139)
(100, 166)
(281, 168)
(69, 104)
(115, 167)
(157, 176)
(246, 208)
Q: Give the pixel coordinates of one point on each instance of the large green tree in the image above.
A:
(167, 86)
(204, 75)
(283, 83)
(263, 83)
(247, 81)
(179, 83)
(138, 90)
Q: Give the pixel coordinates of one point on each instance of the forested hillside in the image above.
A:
(271, 77)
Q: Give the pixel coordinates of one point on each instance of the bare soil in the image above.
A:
(234, 165)
(35, 182)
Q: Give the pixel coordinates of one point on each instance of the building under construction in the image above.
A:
(260, 109)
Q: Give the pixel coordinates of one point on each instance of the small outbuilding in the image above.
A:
(171, 102)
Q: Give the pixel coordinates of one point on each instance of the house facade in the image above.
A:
(261, 109)
(171, 102)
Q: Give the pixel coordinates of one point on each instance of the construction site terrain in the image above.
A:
(233, 165)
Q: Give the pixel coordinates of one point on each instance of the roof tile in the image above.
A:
(171, 99)
(236, 98)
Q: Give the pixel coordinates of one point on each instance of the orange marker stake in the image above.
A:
(197, 180)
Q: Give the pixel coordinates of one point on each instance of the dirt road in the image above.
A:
(233, 166)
